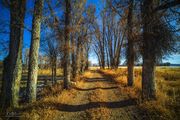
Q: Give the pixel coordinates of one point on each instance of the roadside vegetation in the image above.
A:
(168, 91)
(164, 107)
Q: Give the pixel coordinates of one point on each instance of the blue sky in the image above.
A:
(4, 15)
(173, 59)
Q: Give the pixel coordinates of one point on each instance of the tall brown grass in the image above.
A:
(167, 86)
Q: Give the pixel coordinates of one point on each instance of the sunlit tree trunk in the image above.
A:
(83, 59)
(87, 58)
(67, 66)
(77, 65)
(55, 70)
(52, 74)
(148, 70)
(13, 62)
(107, 58)
(73, 59)
(103, 43)
(130, 46)
(34, 51)
(52, 70)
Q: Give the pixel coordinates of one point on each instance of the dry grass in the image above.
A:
(88, 74)
(48, 72)
(52, 90)
(45, 72)
(168, 89)
(51, 98)
(46, 107)
(94, 68)
(166, 105)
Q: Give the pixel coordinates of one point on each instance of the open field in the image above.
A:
(167, 83)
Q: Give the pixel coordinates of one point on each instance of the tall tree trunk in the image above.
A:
(87, 59)
(103, 44)
(67, 66)
(34, 51)
(83, 61)
(73, 57)
(103, 60)
(55, 70)
(148, 70)
(107, 58)
(78, 56)
(110, 54)
(52, 70)
(13, 62)
(130, 47)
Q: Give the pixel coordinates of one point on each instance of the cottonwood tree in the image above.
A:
(157, 41)
(99, 46)
(51, 49)
(77, 19)
(66, 59)
(130, 44)
(84, 47)
(12, 68)
(53, 55)
(126, 8)
(114, 35)
(80, 24)
(85, 36)
(54, 40)
(109, 38)
(34, 50)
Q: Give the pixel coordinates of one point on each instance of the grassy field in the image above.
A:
(167, 84)
(45, 72)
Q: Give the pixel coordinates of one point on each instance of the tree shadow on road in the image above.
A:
(95, 88)
(97, 80)
(83, 107)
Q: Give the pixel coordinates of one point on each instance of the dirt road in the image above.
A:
(95, 98)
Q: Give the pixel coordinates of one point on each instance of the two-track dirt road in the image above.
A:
(96, 98)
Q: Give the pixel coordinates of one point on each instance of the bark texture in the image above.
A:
(34, 51)
(67, 66)
(73, 56)
(13, 62)
(54, 69)
(149, 59)
(130, 47)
